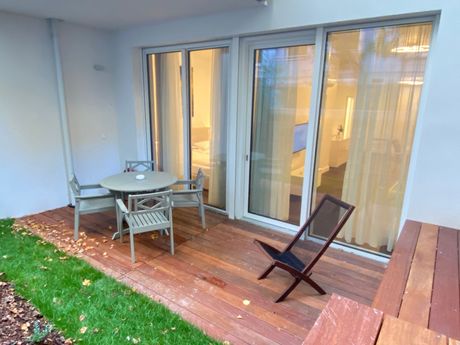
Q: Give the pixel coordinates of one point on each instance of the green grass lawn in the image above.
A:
(84, 303)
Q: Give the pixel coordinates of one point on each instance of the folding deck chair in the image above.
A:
(325, 222)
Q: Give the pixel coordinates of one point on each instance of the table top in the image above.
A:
(127, 182)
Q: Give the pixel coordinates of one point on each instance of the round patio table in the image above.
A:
(128, 183)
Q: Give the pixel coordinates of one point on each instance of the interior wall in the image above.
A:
(434, 169)
(32, 176)
(89, 79)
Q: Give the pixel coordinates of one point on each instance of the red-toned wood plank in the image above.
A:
(416, 303)
(445, 303)
(399, 332)
(390, 292)
(344, 321)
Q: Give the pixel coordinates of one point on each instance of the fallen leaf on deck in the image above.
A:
(239, 317)
(246, 302)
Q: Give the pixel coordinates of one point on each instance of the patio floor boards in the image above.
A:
(213, 271)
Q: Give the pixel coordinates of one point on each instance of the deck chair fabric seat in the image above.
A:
(325, 222)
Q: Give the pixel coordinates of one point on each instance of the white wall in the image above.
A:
(32, 173)
(433, 192)
(32, 176)
(90, 96)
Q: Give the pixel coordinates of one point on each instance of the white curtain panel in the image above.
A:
(170, 107)
(392, 64)
(275, 101)
(218, 144)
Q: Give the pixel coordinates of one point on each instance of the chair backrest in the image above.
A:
(140, 166)
(325, 222)
(150, 202)
(74, 185)
(199, 179)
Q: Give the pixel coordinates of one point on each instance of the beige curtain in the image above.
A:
(275, 102)
(169, 101)
(392, 64)
(218, 144)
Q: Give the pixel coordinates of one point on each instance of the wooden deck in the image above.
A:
(213, 271)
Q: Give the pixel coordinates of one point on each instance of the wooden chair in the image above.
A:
(192, 197)
(139, 166)
(145, 213)
(86, 204)
(325, 222)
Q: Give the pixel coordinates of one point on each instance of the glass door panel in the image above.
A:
(167, 111)
(371, 90)
(208, 72)
(280, 114)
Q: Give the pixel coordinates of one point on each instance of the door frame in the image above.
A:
(184, 49)
(245, 94)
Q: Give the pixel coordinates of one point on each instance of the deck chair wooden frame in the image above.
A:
(295, 267)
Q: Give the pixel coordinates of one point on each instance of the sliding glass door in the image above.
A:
(278, 153)
(188, 110)
(371, 92)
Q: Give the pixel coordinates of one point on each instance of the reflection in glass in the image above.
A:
(372, 85)
(166, 108)
(281, 102)
(208, 111)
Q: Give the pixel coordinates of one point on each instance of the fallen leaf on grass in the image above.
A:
(82, 317)
(83, 330)
(86, 282)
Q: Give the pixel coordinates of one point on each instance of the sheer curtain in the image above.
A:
(169, 105)
(275, 102)
(391, 68)
(218, 142)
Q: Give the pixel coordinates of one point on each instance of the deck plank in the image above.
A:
(344, 321)
(416, 302)
(399, 332)
(445, 303)
(390, 292)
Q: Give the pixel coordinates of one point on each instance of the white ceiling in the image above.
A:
(116, 14)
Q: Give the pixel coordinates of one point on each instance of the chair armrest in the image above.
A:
(183, 182)
(122, 206)
(91, 186)
(92, 197)
(187, 191)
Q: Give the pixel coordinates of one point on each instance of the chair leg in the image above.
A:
(288, 290)
(266, 272)
(120, 224)
(203, 220)
(131, 240)
(171, 239)
(76, 222)
(314, 285)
